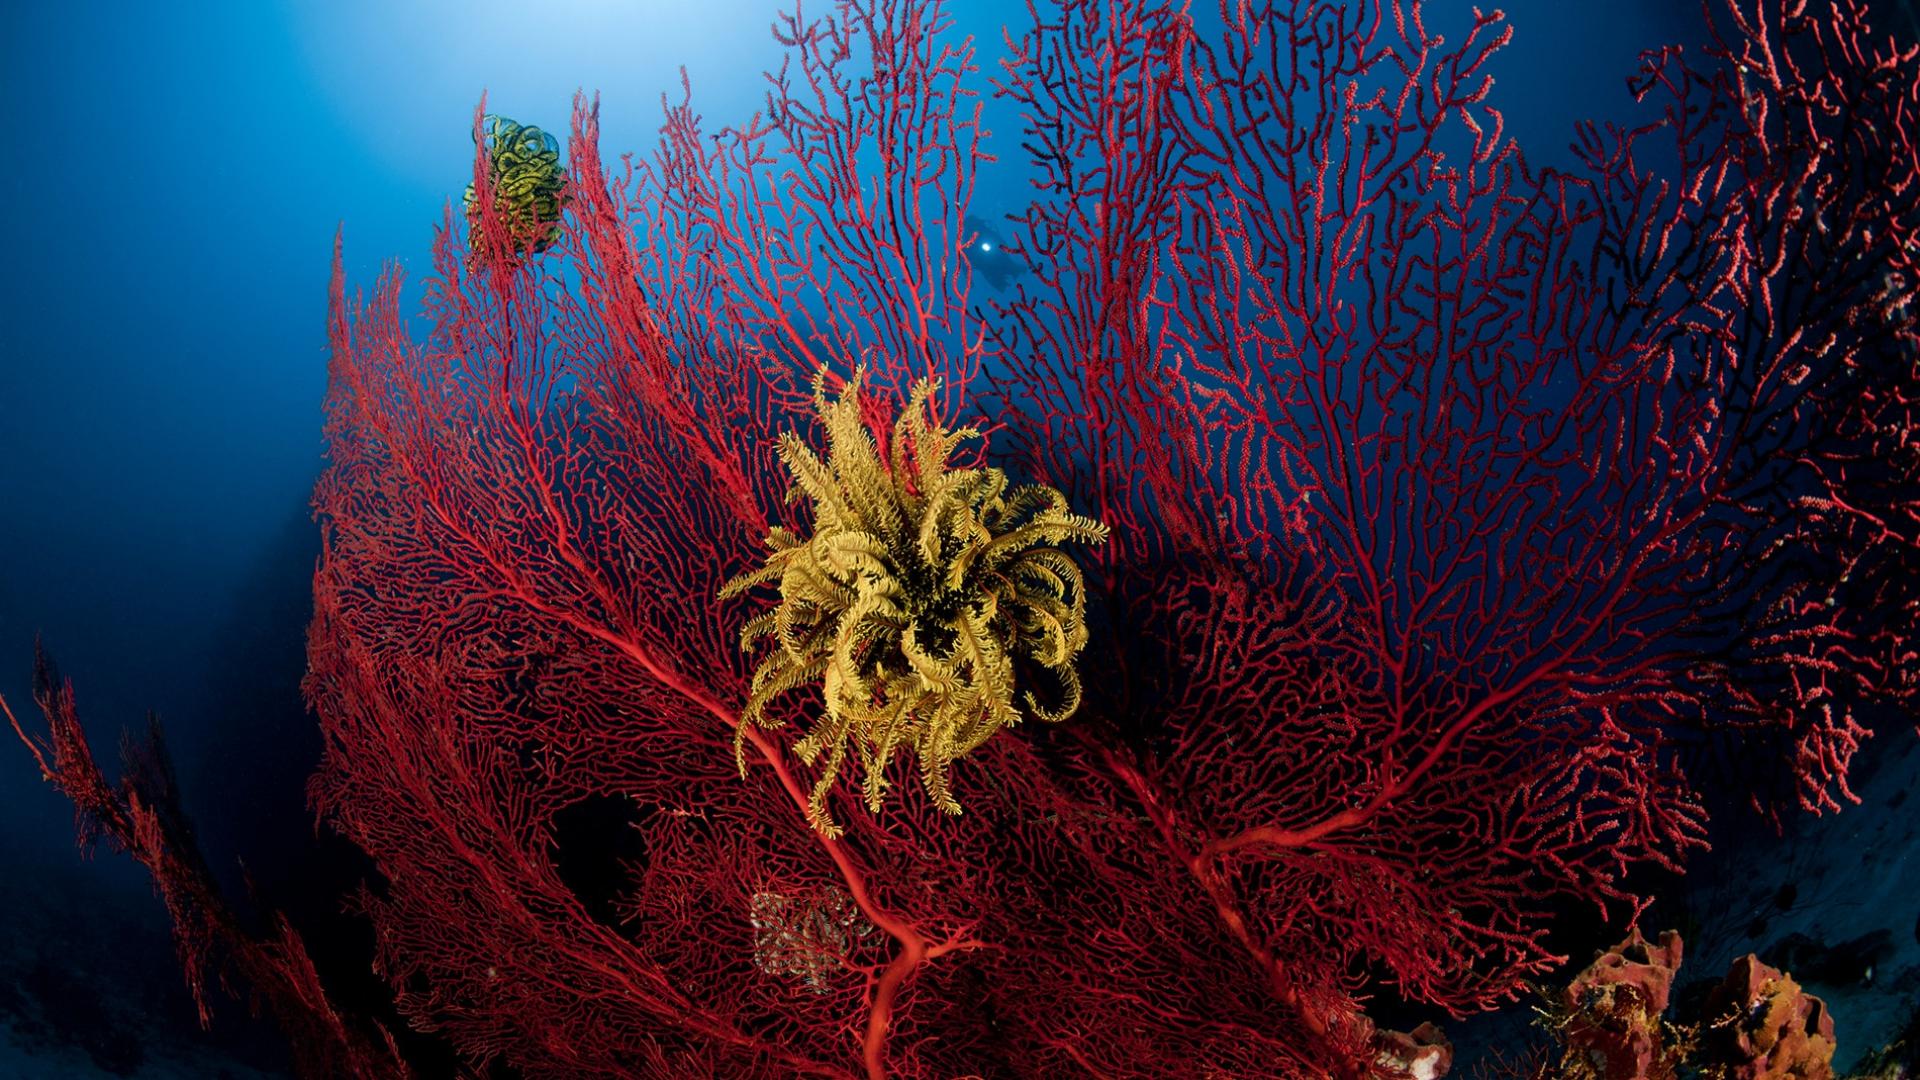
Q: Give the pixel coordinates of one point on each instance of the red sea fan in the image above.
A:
(142, 816)
(1435, 492)
(1447, 496)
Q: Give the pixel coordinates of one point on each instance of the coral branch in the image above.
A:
(142, 817)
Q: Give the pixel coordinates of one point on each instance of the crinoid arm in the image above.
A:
(918, 590)
(527, 181)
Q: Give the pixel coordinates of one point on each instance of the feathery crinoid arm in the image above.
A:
(920, 589)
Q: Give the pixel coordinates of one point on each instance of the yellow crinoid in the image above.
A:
(910, 603)
(529, 184)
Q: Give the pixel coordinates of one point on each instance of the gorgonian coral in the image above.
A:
(1452, 504)
(527, 180)
(917, 592)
